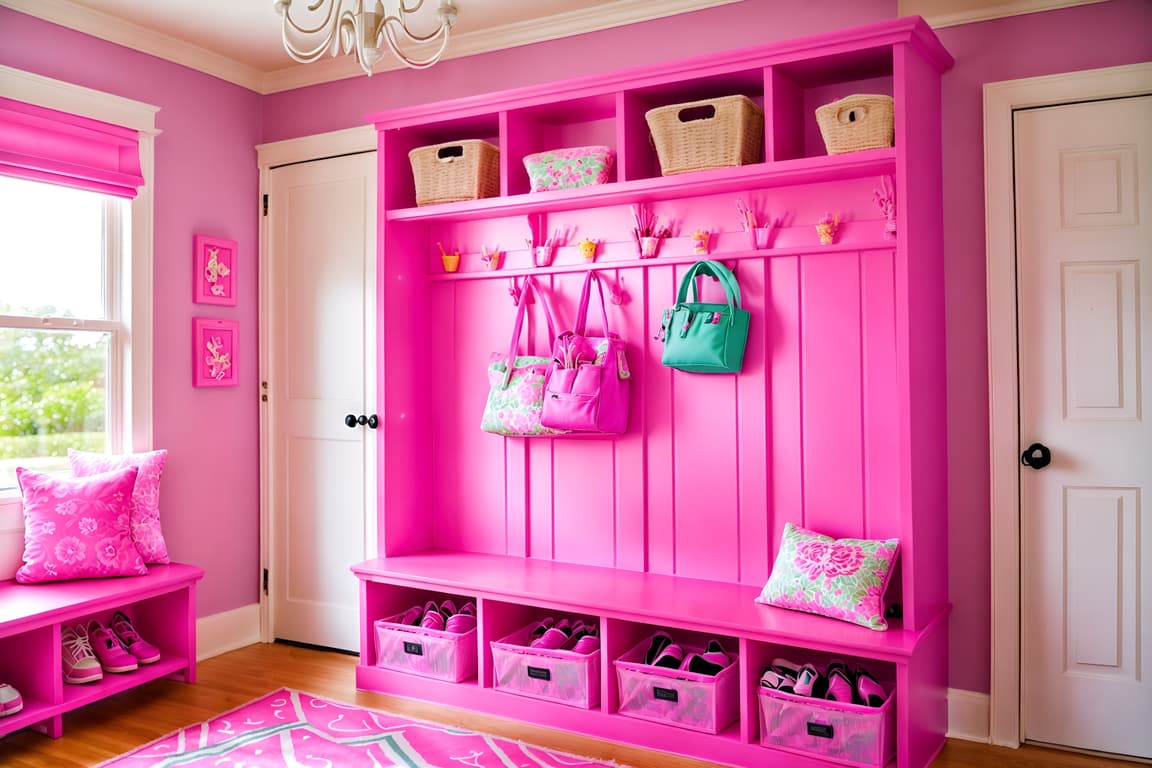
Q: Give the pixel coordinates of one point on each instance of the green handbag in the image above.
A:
(702, 337)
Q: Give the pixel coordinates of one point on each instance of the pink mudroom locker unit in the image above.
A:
(834, 422)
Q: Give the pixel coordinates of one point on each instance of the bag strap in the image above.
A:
(714, 269)
(582, 309)
(530, 289)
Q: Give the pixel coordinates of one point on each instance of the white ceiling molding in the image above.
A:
(116, 30)
(950, 13)
(113, 29)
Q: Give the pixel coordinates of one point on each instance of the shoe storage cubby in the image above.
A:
(674, 524)
(161, 606)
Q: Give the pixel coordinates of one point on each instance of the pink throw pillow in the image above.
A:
(77, 527)
(145, 505)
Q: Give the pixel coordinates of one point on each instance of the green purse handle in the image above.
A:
(712, 269)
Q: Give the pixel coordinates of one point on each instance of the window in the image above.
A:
(61, 324)
(101, 316)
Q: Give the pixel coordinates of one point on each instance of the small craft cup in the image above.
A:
(451, 262)
(758, 237)
(827, 233)
(494, 259)
(648, 247)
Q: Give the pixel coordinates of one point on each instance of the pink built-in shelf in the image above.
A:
(835, 422)
(161, 605)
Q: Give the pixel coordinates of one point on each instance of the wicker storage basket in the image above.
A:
(458, 170)
(856, 122)
(713, 133)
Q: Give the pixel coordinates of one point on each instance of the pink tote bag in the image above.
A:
(587, 386)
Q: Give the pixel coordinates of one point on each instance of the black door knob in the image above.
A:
(350, 420)
(1036, 456)
(373, 422)
(361, 419)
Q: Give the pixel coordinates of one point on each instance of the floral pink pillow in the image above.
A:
(77, 527)
(840, 578)
(145, 508)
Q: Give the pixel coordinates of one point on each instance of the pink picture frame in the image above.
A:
(213, 271)
(214, 349)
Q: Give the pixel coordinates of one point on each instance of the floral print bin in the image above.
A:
(569, 168)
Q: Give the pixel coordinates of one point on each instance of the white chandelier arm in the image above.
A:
(389, 30)
(292, 30)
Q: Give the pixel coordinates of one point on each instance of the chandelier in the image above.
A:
(363, 31)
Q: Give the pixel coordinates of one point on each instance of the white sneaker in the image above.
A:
(10, 701)
(80, 663)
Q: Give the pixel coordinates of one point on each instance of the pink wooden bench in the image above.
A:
(161, 605)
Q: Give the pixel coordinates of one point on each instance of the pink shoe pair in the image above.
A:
(10, 700)
(564, 636)
(445, 617)
(672, 656)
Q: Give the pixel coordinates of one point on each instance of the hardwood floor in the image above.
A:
(112, 727)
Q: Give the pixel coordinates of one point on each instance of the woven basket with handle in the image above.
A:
(457, 170)
(713, 133)
(856, 122)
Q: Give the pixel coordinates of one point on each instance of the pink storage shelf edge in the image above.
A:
(24, 605)
(705, 606)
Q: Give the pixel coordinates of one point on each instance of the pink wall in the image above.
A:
(206, 182)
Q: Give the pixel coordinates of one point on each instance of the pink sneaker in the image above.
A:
(80, 664)
(113, 658)
(144, 651)
(10, 701)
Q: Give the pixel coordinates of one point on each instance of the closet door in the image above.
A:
(321, 392)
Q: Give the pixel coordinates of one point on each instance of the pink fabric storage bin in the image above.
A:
(708, 703)
(553, 675)
(851, 734)
(426, 652)
(569, 167)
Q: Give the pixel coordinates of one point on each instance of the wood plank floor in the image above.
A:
(114, 726)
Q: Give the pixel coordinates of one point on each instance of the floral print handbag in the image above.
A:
(516, 382)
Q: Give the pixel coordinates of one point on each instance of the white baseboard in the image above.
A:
(968, 715)
(223, 632)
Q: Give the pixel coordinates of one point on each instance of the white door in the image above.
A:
(1084, 243)
(321, 367)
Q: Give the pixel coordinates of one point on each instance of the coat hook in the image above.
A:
(616, 293)
(514, 291)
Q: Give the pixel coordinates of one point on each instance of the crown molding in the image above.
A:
(951, 13)
(116, 30)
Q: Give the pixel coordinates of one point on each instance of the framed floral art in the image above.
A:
(214, 270)
(214, 348)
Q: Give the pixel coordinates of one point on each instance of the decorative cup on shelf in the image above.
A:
(758, 237)
(700, 242)
(451, 261)
(542, 255)
(491, 258)
(648, 247)
(588, 249)
(826, 228)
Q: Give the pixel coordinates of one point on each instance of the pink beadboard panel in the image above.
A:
(632, 321)
(583, 508)
(753, 534)
(704, 455)
(659, 467)
(830, 348)
(880, 402)
(782, 326)
(475, 471)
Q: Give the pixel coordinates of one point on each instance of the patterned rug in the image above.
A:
(290, 728)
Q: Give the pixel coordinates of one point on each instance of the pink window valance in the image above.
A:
(59, 148)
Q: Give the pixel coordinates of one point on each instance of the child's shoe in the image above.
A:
(80, 664)
(112, 656)
(144, 651)
(10, 701)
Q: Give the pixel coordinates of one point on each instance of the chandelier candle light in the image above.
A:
(364, 31)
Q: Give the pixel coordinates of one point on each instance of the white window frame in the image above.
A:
(130, 408)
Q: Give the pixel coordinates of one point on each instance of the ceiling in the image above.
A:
(239, 40)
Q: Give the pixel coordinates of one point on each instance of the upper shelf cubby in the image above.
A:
(787, 80)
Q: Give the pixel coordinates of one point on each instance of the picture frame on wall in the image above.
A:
(214, 270)
(214, 348)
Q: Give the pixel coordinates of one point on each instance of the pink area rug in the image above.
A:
(290, 728)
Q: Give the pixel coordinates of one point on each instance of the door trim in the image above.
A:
(1000, 99)
(303, 149)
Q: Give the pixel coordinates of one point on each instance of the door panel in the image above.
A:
(1084, 245)
(321, 315)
